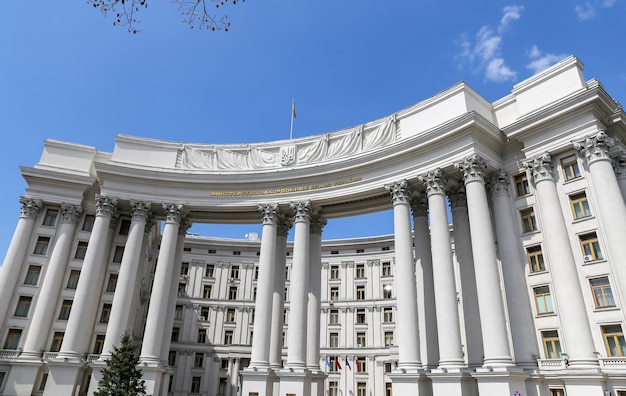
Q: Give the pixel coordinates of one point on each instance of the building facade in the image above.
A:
(505, 273)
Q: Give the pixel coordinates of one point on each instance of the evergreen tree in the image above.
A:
(121, 377)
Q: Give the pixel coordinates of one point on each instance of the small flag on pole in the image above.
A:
(328, 363)
(348, 364)
(356, 363)
(337, 364)
(293, 115)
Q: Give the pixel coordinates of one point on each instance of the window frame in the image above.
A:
(602, 291)
(617, 337)
(522, 186)
(551, 338)
(41, 246)
(569, 164)
(528, 220)
(536, 261)
(32, 275)
(543, 300)
(590, 246)
(579, 200)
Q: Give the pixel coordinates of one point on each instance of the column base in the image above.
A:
(318, 379)
(501, 381)
(22, 377)
(452, 382)
(584, 384)
(96, 376)
(65, 376)
(295, 382)
(152, 373)
(262, 381)
(410, 382)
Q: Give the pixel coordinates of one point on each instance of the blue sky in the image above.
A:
(68, 74)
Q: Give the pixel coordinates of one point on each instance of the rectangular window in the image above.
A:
(286, 273)
(529, 223)
(387, 291)
(360, 250)
(206, 291)
(171, 358)
(551, 344)
(195, 384)
(334, 272)
(388, 389)
(236, 253)
(106, 313)
(99, 344)
(557, 392)
(228, 337)
(204, 313)
(13, 339)
(521, 184)
(580, 205)
(201, 336)
(72, 281)
(42, 245)
(334, 252)
(66, 307)
(184, 269)
(386, 268)
(361, 364)
(178, 312)
(614, 340)
(256, 272)
(112, 283)
(198, 360)
(23, 306)
(88, 222)
(590, 247)
(182, 290)
(212, 251)
(334, 293)
(333, 316)
(387, 367)
(388, 315)
(360, 292)
(232, 293)
(361, 389)
(124, 227)
(570, 167)
(360, 271)
(333, 340)
(543, 300)
(175, 334)
(209, 271)
(230, 315)
(32, 275)
(535, 259)
(360, 316)
(119, 253)
(333, 388)
(57, 340)
(360, 339)
(602, 293)
(50, 219)
(388, 338)
(81, 250)
(234, 272)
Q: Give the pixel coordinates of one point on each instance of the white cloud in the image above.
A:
(608, 3)
(585, 11)
(541, 61)
(484, 54)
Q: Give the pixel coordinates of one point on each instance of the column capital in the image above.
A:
(457, 197)
(419, 206)
(284, 225)
(619, 164)
(400, 192)
(499, 183)
(317, 223)
(173, 213)
(149, 223)
(185, 225)
(435, 182)
(140, 210)
(30, 207)
(540, 167)
(270, 212)
(106, 206)
(302, 211)
(473, 168)
(595, 147)
(70, 213)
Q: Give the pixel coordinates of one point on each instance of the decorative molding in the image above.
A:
(619, 164)
(540, 167)
(140, 210)
(317, 223)
(498, 183)
(419, 205)
(400, 192)
(596, 147)
(270, 212)
(302, 211)
(30, 207)
(106, 206)
(473, 168)
(457, 197)
(70, 213)
(284, 225)
(173, 213)
(435, 182)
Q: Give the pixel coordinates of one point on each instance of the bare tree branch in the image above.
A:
(195, 12)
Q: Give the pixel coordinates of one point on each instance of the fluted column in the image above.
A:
(296, 350)
(87, 297)
(11, 268)
(520, 313)
(490, 298)
(448, 328)
(278, 294)
(469, 294)
(315, 287)
(426, 312)
(568, 294)
(125, 288)
(609, 200)
(406, 289)
(43, 315)
(159, 297)
(261, 342)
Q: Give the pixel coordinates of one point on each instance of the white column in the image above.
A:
(260, 357)
(296, 350)
(278, 295)
(469, 294)
(520, 313)
(43, 314)
(125, 288)
(609, 200)
(406, 288)
(575, 332)
(11, 268)
(619, 165)
(315, 287)
(88, 292)
(159, 297)
(426, 313)
(448, 329)
(234, 376)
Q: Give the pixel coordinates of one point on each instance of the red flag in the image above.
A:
(356, 363)
(337, 364)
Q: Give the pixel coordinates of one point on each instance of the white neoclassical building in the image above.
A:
(505, 273)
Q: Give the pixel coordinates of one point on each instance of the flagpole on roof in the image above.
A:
(293, 115)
